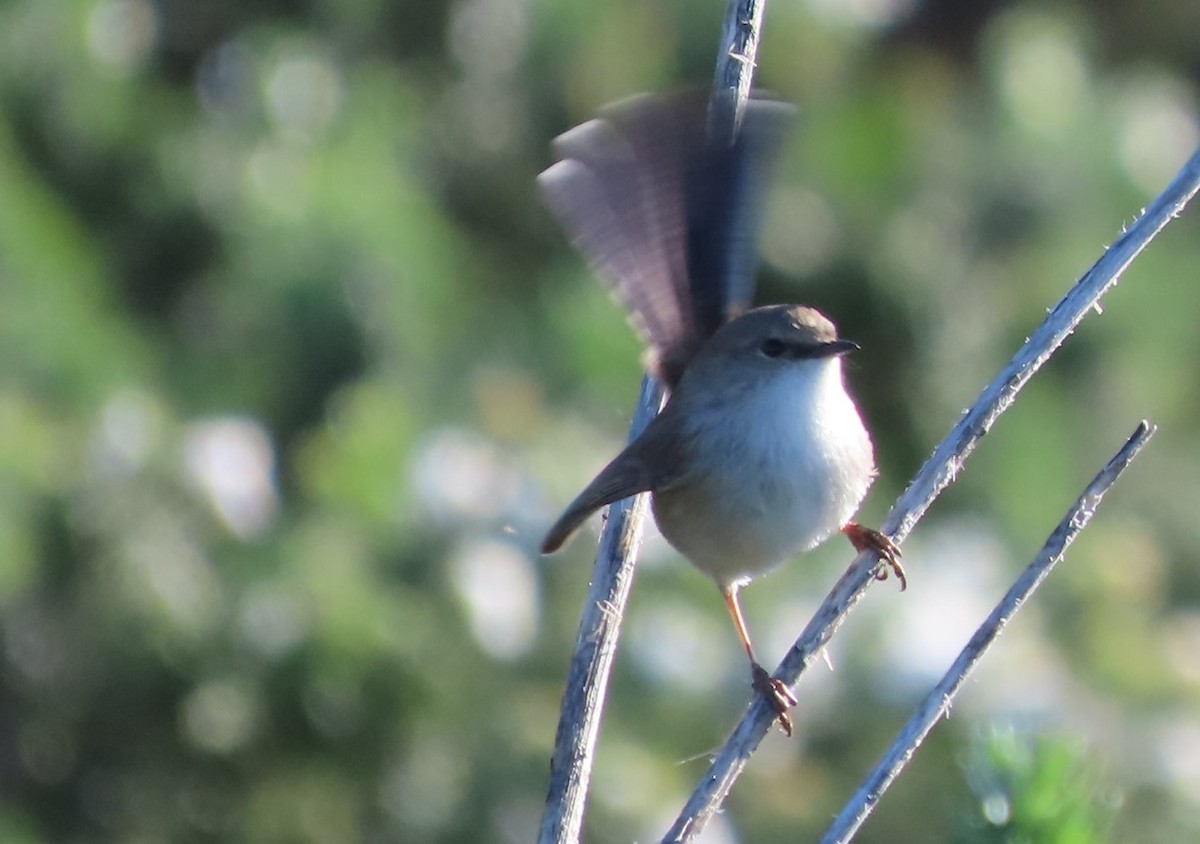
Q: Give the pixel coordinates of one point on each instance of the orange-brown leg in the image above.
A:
(773, 689)
(867, 539)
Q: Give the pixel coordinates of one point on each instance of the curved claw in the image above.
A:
(869, 539)
(777, 694)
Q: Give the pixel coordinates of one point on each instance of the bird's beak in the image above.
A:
(837, 348)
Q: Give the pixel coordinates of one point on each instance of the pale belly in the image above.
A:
(769, 494)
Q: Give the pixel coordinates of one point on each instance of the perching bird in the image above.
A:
(760, 453)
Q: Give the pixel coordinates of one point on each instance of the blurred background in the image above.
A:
(295, 370)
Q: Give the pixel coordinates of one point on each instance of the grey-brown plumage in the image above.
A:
(756, 349)
(760, 453)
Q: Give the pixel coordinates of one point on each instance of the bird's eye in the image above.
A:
(773, 347)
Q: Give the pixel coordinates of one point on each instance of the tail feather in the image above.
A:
(628, 474)
(564, 529)
(667, 220)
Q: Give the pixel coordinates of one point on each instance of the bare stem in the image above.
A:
(934, 476)
(937, 702)
(595, 647)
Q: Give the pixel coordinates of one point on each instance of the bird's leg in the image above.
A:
(772, 688)
(867, 539)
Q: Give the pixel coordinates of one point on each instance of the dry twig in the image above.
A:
(937, 702)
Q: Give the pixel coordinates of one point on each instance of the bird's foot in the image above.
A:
(777, 694)
(868, 539)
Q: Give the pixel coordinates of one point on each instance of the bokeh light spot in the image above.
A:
(304, 95)
(130, 425)
(683, 646)
(996, 808)
(1176, 743)
(279, 178)
(499, 588)
(459, 474)
(168, 574)
(273, 620)
(801, 235)
(233, 463)
(867, 14)
(220, 716)
(1157, 131)
(425, 788)
(1040, 70)
(122, 33)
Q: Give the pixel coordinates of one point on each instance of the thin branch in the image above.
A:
(937, 473)
(735, 67)
(937, 702)
(595, 647)
(604, 607)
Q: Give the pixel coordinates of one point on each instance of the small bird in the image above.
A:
(760, 453)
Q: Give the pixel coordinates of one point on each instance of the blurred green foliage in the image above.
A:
(294, 369)
(1034, 788)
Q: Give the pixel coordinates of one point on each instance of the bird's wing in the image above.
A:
(652, 461)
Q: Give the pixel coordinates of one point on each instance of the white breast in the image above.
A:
(784, 465)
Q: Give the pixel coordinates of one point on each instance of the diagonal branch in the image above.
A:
(937, 702)
(933, 477)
